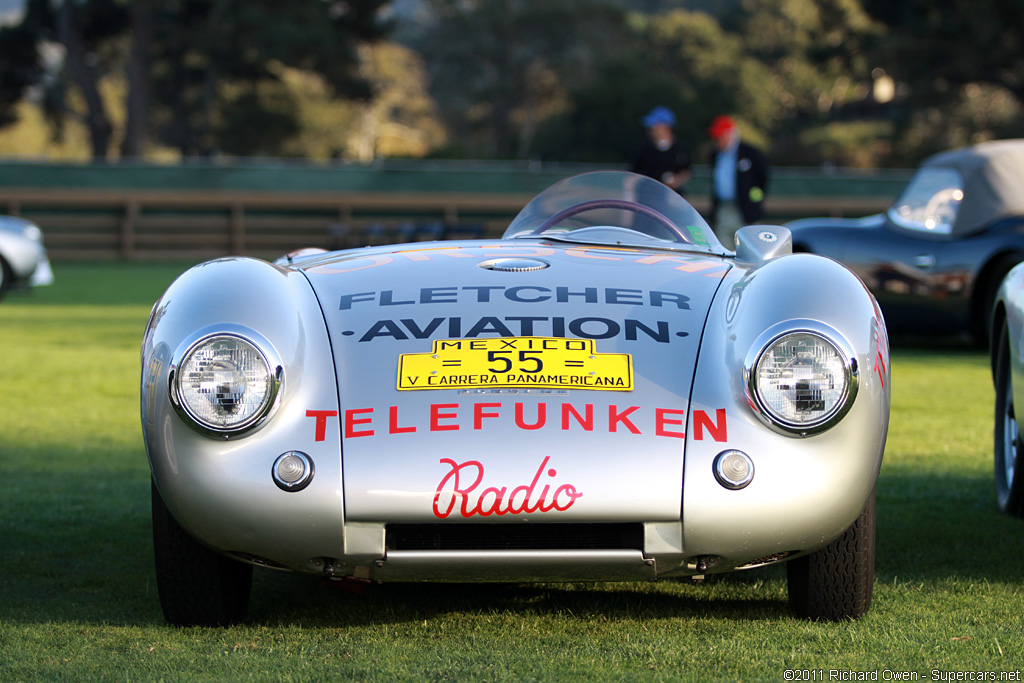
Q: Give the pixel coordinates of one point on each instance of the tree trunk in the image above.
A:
(84, 76)
(133, 146)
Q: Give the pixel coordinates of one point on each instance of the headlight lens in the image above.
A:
(803, 382)
(33, 233)
(225, 384)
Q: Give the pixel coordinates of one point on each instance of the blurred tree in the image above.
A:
(196, 68)
(602, 124)
(818, 57)
(941, 44)
(215, 56)
(85, 32)
(679, 59)
(498, 67)
(816, 50)
(964, 68)
(19, 68)
(401, 120)
(133, 144)
(781, 66)
(714, 71)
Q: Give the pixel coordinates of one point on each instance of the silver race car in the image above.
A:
(23, 260)
(604, 394)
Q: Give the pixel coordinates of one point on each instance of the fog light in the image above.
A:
(292, 471)
(733, 469)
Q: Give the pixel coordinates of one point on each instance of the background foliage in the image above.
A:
(843, 82)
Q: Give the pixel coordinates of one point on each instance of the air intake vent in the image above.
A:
(515, 536)
(514, 265)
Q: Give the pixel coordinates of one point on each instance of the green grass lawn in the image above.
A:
(78, 599)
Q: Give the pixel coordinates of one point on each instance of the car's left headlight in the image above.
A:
(225, 384)
(33, 233)
(802, 381)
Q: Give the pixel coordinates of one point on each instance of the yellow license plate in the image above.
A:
(520, 362)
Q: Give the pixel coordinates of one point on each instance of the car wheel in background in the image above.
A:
(1007, 442)
(836, 583)
(982, 315)
(5, 277)
(197, 586)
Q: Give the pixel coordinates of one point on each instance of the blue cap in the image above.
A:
(659, 115)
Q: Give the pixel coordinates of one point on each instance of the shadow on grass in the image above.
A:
(307, 601)
(78, 549)
(945, 526)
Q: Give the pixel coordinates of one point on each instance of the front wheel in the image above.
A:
(1007, 443)
(836, 583)
(197, 586)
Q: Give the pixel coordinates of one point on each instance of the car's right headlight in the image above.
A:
(802, 381)
(225, 384)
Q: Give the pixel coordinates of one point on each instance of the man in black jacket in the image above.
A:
(662, 156)
(739, 178)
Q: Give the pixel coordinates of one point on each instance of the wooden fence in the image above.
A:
(199, 224)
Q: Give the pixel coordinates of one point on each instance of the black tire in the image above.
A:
(197, 586)
(836, 583)
(982, 318)
(5, 277)
(1008, 461)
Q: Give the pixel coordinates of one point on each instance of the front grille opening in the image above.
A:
(515, 536)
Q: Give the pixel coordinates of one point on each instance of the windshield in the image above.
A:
(615, 208)
(930, 202)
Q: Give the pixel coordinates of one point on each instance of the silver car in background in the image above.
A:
(604, 394)
(23, 260)
(1007, 337)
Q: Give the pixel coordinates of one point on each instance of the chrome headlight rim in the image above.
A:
(767, 341)
(267, 353)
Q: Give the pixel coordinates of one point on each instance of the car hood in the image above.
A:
(447, 418)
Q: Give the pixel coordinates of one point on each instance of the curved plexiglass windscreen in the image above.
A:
(931, 201)
(615, 208)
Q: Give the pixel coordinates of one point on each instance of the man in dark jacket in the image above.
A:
(662, 156)
(739, 178)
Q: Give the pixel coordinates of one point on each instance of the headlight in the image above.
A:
(802, 382)
(225, 384)
(33, 233)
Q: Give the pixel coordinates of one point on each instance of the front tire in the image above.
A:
(1009, 463)
(836, 583)
(197, 586)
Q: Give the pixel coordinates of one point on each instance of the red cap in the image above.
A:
(721, 126)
